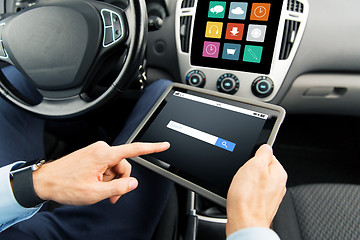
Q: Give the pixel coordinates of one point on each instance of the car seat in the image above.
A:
(319, 211)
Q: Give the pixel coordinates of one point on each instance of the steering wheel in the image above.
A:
(77, 53)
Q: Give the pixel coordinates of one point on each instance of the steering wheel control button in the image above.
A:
(196, 78)
(108, 36)
(262, 87)
(2, 25)
(228, 83)
(113, 27)
(107, 18)
(3, 54)
(2, 51)
(117, 26)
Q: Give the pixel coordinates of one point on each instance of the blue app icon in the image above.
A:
(238, 10)
(231, 51)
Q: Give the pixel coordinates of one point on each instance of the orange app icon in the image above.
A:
(260, 11)
(234, 31)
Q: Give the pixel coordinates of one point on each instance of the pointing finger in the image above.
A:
(134, 150)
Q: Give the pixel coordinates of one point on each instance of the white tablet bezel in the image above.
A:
(181, 180)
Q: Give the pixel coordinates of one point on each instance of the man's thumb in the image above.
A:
(120, 186)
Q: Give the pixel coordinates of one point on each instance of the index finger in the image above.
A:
(135, 149)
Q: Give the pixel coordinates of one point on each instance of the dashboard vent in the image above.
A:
(187, 3)
(185, 26)
(290, 31)
(295, 6)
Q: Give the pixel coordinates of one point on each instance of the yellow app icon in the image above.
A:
(213, 29)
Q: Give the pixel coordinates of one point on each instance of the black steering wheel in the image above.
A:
(77, 53)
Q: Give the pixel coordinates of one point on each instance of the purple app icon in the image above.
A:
(211, 49)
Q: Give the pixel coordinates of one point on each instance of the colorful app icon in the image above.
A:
(256, 33)
(260, 11)
(231, 51)
(211, 49)
(234, 31)
(252, 54)
(216, 9)
(238, 10)
(213, 29)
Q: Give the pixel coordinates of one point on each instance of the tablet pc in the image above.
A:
(211, 135)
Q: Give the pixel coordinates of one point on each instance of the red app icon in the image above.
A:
(234, 31)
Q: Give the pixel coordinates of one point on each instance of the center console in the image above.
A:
(241, 48)
(244, 48)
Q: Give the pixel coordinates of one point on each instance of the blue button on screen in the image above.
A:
(231, 51)
(227, 145)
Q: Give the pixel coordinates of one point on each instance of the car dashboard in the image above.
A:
(313, 68)
(255, 55)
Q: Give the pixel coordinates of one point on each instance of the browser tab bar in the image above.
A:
(221, 105)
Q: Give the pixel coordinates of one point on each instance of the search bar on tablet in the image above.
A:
(202, 136)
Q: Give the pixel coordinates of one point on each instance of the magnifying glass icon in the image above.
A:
(224, 144)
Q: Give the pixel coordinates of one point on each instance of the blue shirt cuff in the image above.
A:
(11, 211)
(254, 233)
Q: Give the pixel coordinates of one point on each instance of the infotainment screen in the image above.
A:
(210, 137)
(235, 35)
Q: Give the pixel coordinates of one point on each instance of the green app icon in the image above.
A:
(216, 9)
(252, 54)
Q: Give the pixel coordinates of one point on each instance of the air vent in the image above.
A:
(290, 31)
(185, 26)
(295, 6)
(187, 3)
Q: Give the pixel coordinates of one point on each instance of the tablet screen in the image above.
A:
(236, 35)
(210, 137)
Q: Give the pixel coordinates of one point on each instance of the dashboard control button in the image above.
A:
(196, 78)
(228, 83)
(262, 87)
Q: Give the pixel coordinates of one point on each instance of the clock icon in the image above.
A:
(211, 49)
(260, 11)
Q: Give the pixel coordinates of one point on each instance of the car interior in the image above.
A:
(302, 55)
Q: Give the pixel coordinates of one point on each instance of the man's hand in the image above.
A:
(256, 192)
(91, 174)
